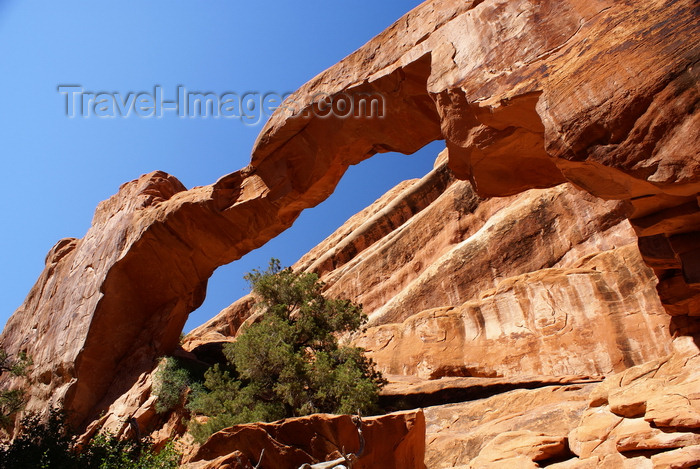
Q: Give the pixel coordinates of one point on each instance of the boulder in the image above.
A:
(393, 441)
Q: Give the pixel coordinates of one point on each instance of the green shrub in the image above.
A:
(108, 452)
(50, 444)
(17, 366)
(170, 383)
(12, 400)
(225, 403)
(40, 444)
(290, 363)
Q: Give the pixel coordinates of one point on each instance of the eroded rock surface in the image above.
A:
(547, 282)
(527, 94)
(592, 319)
(532, 93)
(461, 245)
(643, 413)
(458, 433)
(644, 417)
(584, 307)
(393, 441)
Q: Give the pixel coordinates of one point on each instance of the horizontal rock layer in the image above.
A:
(592, 319)
(644, 417)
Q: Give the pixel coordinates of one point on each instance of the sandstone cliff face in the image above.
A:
(590, 320)
(78, 322)
(461, 245)
(526, 94)
(446, 264)
(524, 297)
(457, 433)
(529, 94)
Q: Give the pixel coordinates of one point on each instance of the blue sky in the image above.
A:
(55, 169)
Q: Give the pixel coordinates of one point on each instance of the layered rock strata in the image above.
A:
(592, 319)
(547, 282)
(644, 417)
(458, 433)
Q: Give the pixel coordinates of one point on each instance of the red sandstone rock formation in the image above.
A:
(586, 305)
(530, 94)
(526, 93)
(540, 301)
(593, 319)
(393, 441)
(475, 243)
(458, 433)
(456, 285)
(396, 256)
(644, 417)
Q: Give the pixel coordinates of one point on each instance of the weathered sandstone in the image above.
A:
(409, 252)
(572, 312)
(596, 318)
(410, 392)
(532, 93)
(634, 411)
(457, 433)
(526, 94)
(393, 441)
(460, 245)
(576, 426)
(458, 285)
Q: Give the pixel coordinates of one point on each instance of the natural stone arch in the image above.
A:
(534, 92)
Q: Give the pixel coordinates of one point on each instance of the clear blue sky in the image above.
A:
(55, 170)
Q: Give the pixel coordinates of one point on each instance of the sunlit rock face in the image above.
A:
(533, 93)
(393, 441)
(592, 319)
(549, 282)
(526, 94)
(644, 417)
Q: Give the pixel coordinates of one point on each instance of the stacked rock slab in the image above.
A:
(645, 417)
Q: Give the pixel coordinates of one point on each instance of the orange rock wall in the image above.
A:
(393, 441)
(594, 319)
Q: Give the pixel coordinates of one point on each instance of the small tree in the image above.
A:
(290, 363)
(170, 383)
(17, 366)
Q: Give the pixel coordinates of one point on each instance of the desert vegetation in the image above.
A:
(50, 443)
(289, 362)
